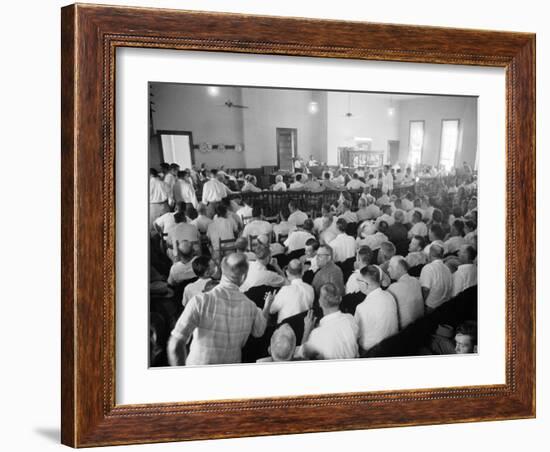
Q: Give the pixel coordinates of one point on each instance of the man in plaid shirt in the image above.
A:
(220, 320)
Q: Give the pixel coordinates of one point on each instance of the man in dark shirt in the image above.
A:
(397, 234)
(328, 271)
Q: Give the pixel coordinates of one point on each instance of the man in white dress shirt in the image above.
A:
(355, 183)
(297, 239)
(371, 237)
(377, 314)
(336, 335)
(297, 184)
(418, 226)
(213, 190)
(183, 189)
(171, 176)
(387, 180)
(166, 221)
(416, 254)
(343, 246)
(407, 292)
(245, 212)
(453, 244)
(204, 268)
(347, 214)
(259, 275)
(279, 184)
(257, 226)
(160, 197)
(293, 298)
(466, 273)
(221, 228)
(436, 280)
(181, 231)
(386, 215)
(203, 220)
(296, 217)
(355, 282)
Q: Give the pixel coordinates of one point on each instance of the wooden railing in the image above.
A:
(272, 202)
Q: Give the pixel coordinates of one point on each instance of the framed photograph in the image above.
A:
(282, 225)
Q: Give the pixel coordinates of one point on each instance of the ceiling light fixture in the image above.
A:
(313, 107)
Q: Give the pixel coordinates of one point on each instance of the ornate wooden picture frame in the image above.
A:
(90, 37)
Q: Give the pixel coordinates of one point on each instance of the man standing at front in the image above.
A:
(387, 180)
(214, 191)
(220, 320)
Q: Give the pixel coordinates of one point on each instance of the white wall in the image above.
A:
(432, 110)
(273, 108)
(370, 119)
(189, 108)
(30, 390)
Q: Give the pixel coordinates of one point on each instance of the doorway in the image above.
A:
(287, 148)
(177, 147)
(393, 151)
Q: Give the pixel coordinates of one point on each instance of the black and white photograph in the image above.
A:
(289, 224)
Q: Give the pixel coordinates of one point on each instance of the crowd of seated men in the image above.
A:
(229, 284)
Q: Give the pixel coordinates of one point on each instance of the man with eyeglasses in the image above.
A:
(328, 271)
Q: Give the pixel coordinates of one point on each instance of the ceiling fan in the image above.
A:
(349, 114)
(229, 104)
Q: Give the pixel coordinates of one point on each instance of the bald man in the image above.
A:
(220, 320)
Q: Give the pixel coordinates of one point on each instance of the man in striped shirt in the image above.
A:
(220, 320)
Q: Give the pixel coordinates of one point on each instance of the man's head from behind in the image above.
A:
(294, 269)
(312, 245)
(186, 250)
(386, 252)
(399, 216)
(341, 225)
(329, 298)
(436, 252)
(397, 267)
(417, 244)
(467, 254)
(241, 244)
(283, 343)
(371, 277)
(364, 256)
(202, 267)
(235, 268)
(308, 225)
(263, 253)
(436, 232)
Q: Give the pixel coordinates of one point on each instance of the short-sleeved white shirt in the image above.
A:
(437, 277)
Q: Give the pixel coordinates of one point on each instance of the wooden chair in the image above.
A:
(204, 241)
(226, 246)
(282, 238)
(252, 240)
(272, 219)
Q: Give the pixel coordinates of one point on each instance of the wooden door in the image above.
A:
(286, 148)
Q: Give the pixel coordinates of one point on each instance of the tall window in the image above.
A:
(416, 142)
(449, 142)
